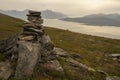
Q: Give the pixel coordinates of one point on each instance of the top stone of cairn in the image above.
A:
(34, 17)
(34, 13)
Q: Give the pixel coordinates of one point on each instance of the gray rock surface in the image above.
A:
(5, 70)
(47, 43)
(60, 52)
(112, 78)
(52, 65)
(80, 65)
(27, 59)
(8, 44)
(35, 50)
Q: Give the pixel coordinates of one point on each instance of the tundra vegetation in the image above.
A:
(92, 50)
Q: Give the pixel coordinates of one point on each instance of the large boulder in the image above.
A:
(28, 54)
(47, 43)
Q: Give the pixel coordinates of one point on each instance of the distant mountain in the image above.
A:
(15, 13)
(97, 19)
(52, 15)
(45, 14)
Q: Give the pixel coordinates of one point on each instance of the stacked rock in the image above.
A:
(35, 48)
(32, 50)
(32, 29)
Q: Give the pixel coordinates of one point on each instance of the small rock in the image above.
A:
(53, 65)
(91, 69)
(60, 52)
(112, 78)
(80, 65)
(76, 55)
(103, 72)
(26, 38)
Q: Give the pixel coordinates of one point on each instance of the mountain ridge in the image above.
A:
(47, 14)
(97, 19)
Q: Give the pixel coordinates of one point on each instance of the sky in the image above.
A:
(69, 7)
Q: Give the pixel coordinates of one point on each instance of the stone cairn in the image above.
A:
(34, 47)
(32, 29)
(32, 51)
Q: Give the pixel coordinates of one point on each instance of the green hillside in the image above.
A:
(9, 26)
(92, 49)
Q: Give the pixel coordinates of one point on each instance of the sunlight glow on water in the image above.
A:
(104, 31)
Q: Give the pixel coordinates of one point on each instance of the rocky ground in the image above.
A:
(32, 55)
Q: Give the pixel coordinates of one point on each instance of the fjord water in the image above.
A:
(103, 31)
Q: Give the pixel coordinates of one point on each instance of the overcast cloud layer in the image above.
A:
(69, 7)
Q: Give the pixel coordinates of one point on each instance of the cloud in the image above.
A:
(70, 7)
